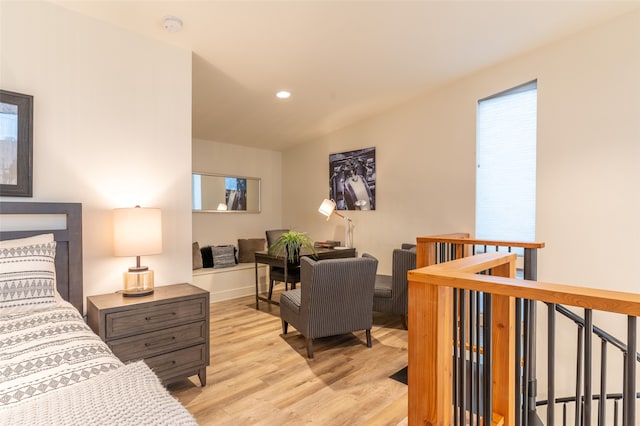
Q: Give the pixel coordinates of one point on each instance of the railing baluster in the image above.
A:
(531, 264)
(532, 382)
(456, 355)
(472, 353)
(579, 375)
(615, 412)
(479, 357)
(629, 397)
(462, 360)
(602, 403)
(564, 414)
(551, 363)
(488, 359)
(525, 366)
(519, 343)
(588, 347)
(531, 273)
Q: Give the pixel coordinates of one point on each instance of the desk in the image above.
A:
(264, 257)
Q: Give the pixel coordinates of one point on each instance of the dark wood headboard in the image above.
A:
(68, 243)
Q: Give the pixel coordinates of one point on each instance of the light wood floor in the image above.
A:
(258, 376)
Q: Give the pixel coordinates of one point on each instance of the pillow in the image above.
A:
(248, 247)
(196, 256)
(207, 257)
(21, 242)
(27, 272)
(223, 256)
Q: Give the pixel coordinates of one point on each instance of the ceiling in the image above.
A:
(342, 60)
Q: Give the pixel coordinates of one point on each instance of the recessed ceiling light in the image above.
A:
(172, 24)
(283, 94)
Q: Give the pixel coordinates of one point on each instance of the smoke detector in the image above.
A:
(172, 24)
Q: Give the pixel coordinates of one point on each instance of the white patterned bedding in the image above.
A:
(47, 356)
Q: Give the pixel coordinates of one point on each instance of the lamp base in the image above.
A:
(137, 293)
(138, 282)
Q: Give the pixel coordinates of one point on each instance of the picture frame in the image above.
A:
(16, 144)
(352, 179)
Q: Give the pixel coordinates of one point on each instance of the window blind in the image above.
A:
(506, 165)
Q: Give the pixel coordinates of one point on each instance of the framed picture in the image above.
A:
(352, 179)
(16, 144)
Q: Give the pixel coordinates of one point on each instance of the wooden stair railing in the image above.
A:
(431, 330)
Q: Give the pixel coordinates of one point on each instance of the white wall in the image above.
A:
(588, 147)
(234, 160)
(112, 128)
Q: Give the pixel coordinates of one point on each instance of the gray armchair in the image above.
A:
(391, 292)
(335, 297)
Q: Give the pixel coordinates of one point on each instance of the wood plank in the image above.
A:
(504, 353)
(430, 362)
(259, 376)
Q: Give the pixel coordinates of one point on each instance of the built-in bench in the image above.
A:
(232, 282)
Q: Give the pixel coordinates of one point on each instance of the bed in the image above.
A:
(53, 368)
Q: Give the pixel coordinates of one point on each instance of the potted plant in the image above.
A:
(290, 244)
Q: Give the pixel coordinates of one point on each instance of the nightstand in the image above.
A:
(168, 329)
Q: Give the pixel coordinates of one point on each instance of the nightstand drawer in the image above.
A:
(178, 363)
(156, 317)
(159, 342)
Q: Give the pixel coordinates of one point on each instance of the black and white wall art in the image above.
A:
(352, 179)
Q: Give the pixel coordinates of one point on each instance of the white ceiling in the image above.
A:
(342, 60)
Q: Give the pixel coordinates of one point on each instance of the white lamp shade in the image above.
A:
(327, 208)
(137, 231)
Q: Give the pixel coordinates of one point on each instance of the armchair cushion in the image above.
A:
(391, 293)
(383, 286)
(291, 300)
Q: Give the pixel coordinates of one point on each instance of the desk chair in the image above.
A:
(276, 273)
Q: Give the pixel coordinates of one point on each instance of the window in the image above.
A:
(506, 165)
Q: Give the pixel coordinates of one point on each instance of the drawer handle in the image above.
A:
(160, 342)
(150, 318)
(168, 364)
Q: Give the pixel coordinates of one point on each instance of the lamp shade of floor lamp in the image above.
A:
(137, 232)
(328, 208)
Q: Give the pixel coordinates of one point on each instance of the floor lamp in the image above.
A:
(328, 208)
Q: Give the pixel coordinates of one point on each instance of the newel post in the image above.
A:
(430, 336)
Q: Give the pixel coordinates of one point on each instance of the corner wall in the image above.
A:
(213, 228)
(112, 128)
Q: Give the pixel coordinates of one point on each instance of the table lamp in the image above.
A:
(328, 208)
(137, 232)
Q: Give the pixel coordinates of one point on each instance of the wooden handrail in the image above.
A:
(461, 274)
(463, 238)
